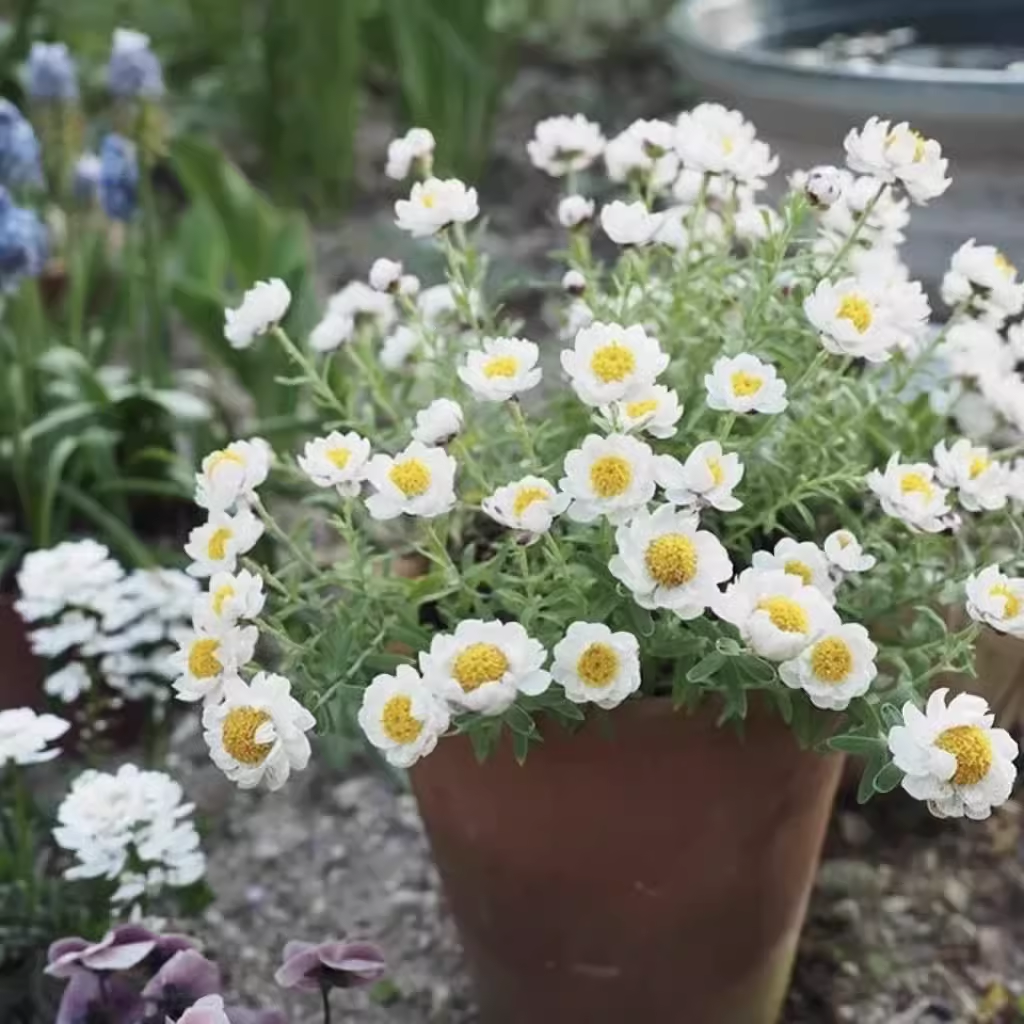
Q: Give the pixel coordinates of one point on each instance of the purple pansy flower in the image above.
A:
(313, 966)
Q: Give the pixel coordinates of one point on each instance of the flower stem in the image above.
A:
(325, 996)
(848, 244)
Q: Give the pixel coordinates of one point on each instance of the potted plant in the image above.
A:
(662, 595)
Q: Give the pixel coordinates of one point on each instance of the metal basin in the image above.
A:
(951, 84)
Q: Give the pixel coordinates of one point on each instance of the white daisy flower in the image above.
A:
(909, 491)
(333, 331)
(843, 550)
(667, 562)
(575, 210)
(823, 186)
(851, 319)
(337, 460)
(419, 481)
(711, 139)
(953, 758)
(997, 600)
(385, 275)
(893, 153)
(654, 410)
(439, 422)
(835, 668)
(402, 716)
(69, 683)
(398, 346)
(483, 666)
(707, 477)
(435, 204)
(502, 369)
(908, 312)
(880, 232)
(231, 475)
(983, 279)
(644, 152)
(744, 384)
(801, 559)
(755, 222)
(216, 545)
(561, 145)
(777, 614)
(629, 223)
(413, 149)
(981, 481)
(409, 285)
(596, 666)
(611, 476)
(612, 363)
(257, 734)
(204, 660)
(529, 504)
(263, 306)
(364, 306)
(231, 597)
(973, 349)
(24, 736)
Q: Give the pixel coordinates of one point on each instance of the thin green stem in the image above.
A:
(519, 421)
(325, 996)
(844, 249)
(320, 387)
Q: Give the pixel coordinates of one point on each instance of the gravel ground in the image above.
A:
(911, 920)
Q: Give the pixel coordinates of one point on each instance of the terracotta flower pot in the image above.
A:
(660, 873)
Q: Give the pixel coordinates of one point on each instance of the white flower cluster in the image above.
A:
(97, 624)
(667, 494)
(255, 729)
(25, 737)
(130, 827)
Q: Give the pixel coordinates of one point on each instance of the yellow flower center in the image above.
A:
(972, 748)
(398, 722)
(428, 200)
(745, 384)
(238, 735)
(671, 559)
(479, 664)
(916, 483)
(220, 596)
(613, 363)
(1012, 603)
(831, 660)
(217, 545)
(219, 458)
(202, 659)
(411, 477)
(857, 310)
(598, 665)
(978, 466)
(844, 540)
(717, 473)
(919, 143)
(501, 366)
(728, 146)
(634, 410)
(1005, 265)
(527, 496)
(610, 476)
(786, 614)
(797, 568)
(338, 457)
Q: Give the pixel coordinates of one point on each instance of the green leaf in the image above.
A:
(55, 467)
(706, 667)
(117, 533)
(860, 746)
(866, 789)
(888, 778)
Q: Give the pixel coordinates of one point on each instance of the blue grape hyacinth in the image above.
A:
(23, 243)
(119, 178)
(50, 74)
(19, 148)
(134, 71)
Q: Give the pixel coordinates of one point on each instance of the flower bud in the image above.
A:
(575, 210)
(574, 282)
(823, 187)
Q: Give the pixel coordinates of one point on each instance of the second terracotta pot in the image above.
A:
(658, 874)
